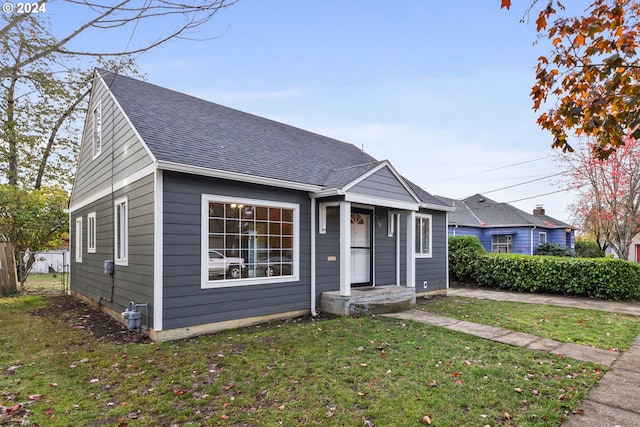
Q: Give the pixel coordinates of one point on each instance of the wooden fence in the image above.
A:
(8, 277)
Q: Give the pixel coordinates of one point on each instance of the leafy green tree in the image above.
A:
(33, 220)
(45, 80)
(588, 249)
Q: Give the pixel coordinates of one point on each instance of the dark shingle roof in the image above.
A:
(480, 211)
(183, 129)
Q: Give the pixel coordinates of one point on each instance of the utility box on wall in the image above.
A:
(108, 267)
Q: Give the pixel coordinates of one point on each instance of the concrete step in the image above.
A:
(381, 306)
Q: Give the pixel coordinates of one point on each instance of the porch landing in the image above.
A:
(368, 300)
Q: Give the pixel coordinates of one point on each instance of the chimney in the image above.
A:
(539, 210)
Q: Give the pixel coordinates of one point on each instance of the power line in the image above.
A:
(522, 183)
(502, 167)
(546, 194)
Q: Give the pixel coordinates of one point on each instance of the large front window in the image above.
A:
(502, 243)
(248, 241)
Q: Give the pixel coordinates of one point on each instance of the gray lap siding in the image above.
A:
(185, 302)
(133, 282)
(385, 249)
(434, 270)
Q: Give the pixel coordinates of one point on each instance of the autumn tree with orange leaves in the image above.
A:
(589, 84)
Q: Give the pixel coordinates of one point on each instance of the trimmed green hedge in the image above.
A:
(604, 278)
(463, 253)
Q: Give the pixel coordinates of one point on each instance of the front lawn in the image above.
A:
(343, 372)
(608, 331)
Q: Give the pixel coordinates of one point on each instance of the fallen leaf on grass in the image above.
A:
(426, 419)
(35, 397)
(517, 390)
(432, 383)
(507, 416)
(94, 380)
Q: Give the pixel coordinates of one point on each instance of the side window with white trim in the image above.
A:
(97, 129)
(91, 233)
(121, 230)
(423, 235)
(78, 240)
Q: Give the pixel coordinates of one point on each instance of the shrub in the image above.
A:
(554, 249)
(464, 251)
(588, 249)
(604, 278)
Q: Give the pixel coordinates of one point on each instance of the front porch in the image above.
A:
(368, 300)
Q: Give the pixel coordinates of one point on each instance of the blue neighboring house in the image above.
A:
(504, 228)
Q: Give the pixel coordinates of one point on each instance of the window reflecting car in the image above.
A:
(218, 265)
(275, 265)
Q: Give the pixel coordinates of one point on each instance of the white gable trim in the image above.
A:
(377, 201)
(115, 101)
(148, 170)
(384, 164)
(235, 176)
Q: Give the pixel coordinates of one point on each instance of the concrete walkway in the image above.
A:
(615, 402)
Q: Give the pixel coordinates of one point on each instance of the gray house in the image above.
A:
(213, 218)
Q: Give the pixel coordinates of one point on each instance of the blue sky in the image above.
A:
(439, 88)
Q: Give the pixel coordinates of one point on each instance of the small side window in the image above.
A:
(78, 241)
(97, 129)
(121, 231)
(91, 233)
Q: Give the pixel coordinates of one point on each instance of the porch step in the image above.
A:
(383, 306)
(371, 300)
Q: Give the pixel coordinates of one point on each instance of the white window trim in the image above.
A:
(430, 254)
(96, 130)
(78, 240)
(91, 233)
(542, 233)
(123, 238)
(212, 284)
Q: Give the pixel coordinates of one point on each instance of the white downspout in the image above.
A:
(397, 231)
(531, 245)
(446, 247)
(313, 257)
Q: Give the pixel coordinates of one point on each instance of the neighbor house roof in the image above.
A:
(185, 130)
(480, 211)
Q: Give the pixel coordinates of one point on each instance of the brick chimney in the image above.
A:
(539, 210)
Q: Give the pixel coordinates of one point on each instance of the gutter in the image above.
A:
(531, 245)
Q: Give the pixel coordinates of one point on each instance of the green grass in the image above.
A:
(571, 325)
(343, 371)
(45, 283)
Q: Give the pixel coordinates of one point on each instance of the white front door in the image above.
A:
(360, 248)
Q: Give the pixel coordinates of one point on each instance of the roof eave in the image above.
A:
(235, 176)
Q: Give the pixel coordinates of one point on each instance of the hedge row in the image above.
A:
(604, 278)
